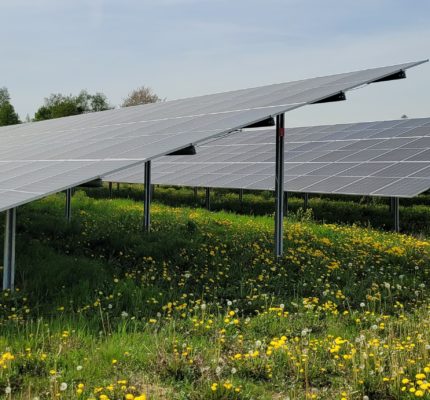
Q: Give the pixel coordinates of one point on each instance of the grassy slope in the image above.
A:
(200, 310)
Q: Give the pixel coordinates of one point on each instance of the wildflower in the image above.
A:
(63, 386)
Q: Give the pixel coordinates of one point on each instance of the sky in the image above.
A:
(183, 48)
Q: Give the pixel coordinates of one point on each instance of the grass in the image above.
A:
(358, 210)
(200, 309)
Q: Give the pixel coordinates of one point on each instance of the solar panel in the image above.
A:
(388, 166)
(113, 139)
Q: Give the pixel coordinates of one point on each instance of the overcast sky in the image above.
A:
(183, 48)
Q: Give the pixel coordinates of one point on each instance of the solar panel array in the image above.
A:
(389, 158)
(41, 158)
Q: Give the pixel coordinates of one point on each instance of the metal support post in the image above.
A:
(110, 190)
(9, 250)
(279, 185)
(195, 193)
(306, 201)
(147, 198)
(241, 197)
(396, 213)
(208, 198)
(117, 186)
(286, 195)
(68, 211)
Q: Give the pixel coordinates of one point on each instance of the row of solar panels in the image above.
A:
(37, 159)
(390, 158)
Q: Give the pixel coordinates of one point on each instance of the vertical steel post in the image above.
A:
(110, 190)
(68, 211)
(117, 186)
(241, 196)
(286, 196)
(147, 198)
(306, 201)
(195, 193)
(396, 214)
(279, 185)
(208, 198)
(9, 250)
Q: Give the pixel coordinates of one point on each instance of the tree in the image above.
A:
(141, 95)
(4, 95)
(8, 116)
(58, 105)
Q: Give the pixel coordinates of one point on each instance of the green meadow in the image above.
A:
(200, 309)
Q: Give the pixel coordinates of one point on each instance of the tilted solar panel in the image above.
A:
(69, 151)
(338, 159)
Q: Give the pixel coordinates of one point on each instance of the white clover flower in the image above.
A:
(203, 306)
(8, 390)
(63, 386)
(258, 344)
(229, 303)
(110, 306)
(124, 314)
(233, 370)
(281, 306)
(79, 368)
(365, 397)
(218, 370)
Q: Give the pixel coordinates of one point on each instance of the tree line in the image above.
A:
(58, 105)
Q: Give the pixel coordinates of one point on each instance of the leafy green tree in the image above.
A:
(8, 116)
(141, 95)
(58, 105)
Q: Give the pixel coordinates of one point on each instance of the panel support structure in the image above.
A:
(286, 195)
(195, 193)
(306, 201)
(110, 190)
(9, 250)
(396, 213)
(241, 197)
(208, 198)
(68, 211)
(279, 185)
(147, 198)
